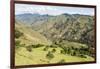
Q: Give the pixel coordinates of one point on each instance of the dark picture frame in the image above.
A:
(12, 29)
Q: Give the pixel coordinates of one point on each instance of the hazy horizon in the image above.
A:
(51, 10)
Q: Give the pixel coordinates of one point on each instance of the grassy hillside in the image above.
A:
(68, 27)
(39, 56)
(30, 36)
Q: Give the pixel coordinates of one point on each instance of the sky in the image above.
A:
(51, 10)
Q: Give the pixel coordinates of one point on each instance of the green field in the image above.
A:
(38, 56)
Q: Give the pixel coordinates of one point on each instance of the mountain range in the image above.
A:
(71, 27)
(41, 39)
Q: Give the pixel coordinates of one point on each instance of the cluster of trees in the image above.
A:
(80, 52)
(73, 51)
(18, 34)
(50, 46)
(30, 47)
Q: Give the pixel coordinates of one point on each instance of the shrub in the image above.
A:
(53, 50)
(62, 61)
(65, 50)
(73, 53)
(62, 51)
(68, 51)
(82, 56)
(29, 48)
(49, 55)
(17, 43)
(18, 34)
(46, 48)
(22, 45)
(37, 46)
(53, 46)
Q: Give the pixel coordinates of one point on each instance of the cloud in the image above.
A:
(51, 10)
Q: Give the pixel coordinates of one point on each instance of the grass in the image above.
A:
(30, 36)
(38, 56)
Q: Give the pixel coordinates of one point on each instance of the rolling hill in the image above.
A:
(29, 36)
(75, 27)
(47, 39)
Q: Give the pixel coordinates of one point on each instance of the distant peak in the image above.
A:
(66, 14)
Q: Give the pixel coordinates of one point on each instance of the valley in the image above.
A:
(47, 39)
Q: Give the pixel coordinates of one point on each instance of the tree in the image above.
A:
(73, 53)
(53, 50)
(68, 51)
(49, 55)
(46, 48)
(17, 44)
(53, 46)
(18, 34)
(63, 51)
(37, 45)
(29, 48)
